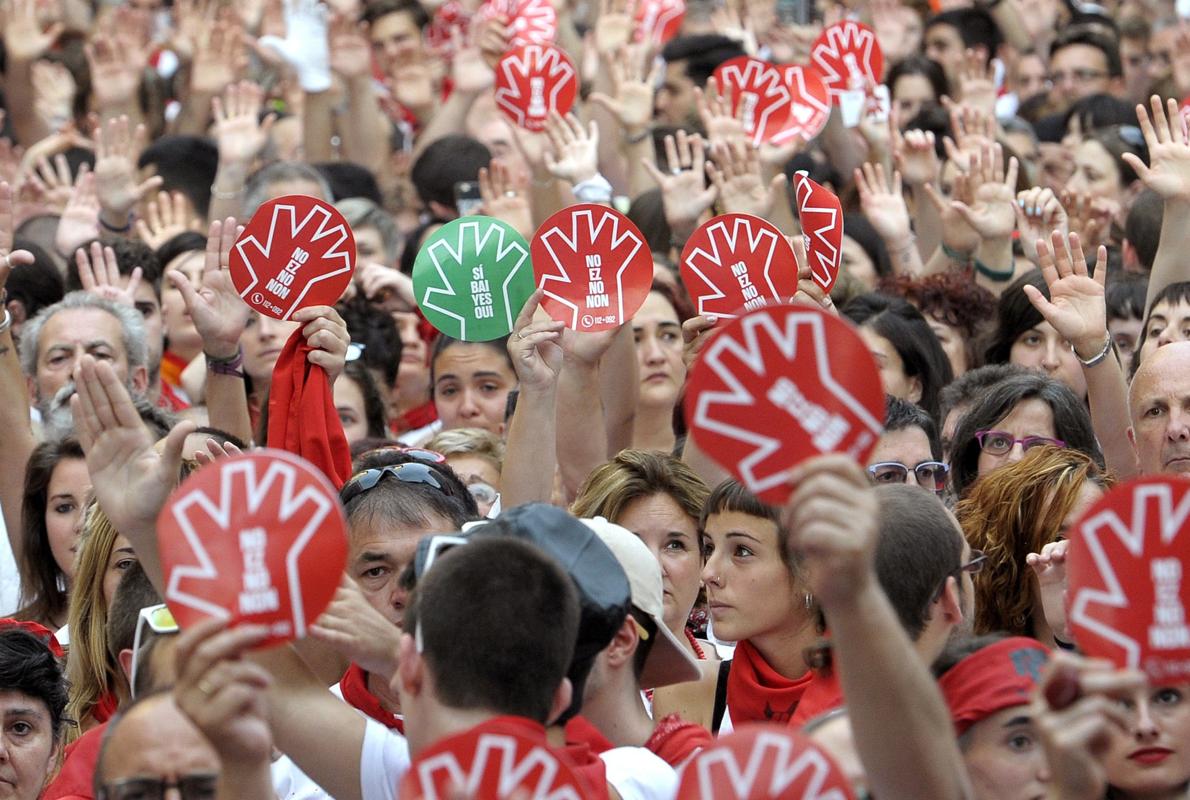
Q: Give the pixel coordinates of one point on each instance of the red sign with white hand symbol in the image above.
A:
(449, 18)
(760, 89)
(821, 218)
(1127, 587)
(763, 762)
(779, 385)
(532, 81)
(736, 263)
(847, 56)
(658, 21)
(594, 266)
(295, 252)
(493, 761)
(256, 538)
(809, 104)
(528, 21)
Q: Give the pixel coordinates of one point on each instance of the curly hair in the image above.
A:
(952, 298)
(1017, 510)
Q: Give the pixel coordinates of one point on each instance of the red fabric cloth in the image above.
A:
(1000, 676)
(415, 418)
(40, 631)
(172, 366)
(580, 730)
(675, 740)
(823, 694)
(78, 768)
(354, 686)
(302, 415)
(105, 707)
(170, 400)
(758, 693)
(587, 764)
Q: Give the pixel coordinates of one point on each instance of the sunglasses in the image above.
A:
(161, 621)
(409, 472)
(429, 548)
(200, 786)
(998, 443)
(930, 474)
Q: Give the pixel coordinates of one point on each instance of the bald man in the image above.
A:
(1159, 403)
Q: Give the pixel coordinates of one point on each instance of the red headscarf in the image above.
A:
(1000, 676)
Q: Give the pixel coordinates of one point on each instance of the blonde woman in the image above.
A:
(477, 457)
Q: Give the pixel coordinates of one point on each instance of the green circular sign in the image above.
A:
(472, 277)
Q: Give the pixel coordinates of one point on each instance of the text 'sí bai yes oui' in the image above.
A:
(596, 292)
(281, 285)
(481, 293)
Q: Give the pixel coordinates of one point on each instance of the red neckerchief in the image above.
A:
(170, 400)
(675, 740)
(105, 707)
(415, 418)
(822, 695)
(758, 693)
(587, 764)
(172, 366)
(580, 730)
(76, 778)
(354, 686)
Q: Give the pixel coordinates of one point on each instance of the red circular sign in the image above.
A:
(764, 762)
(493, 760)
(258, 538)
(761, 89)
(820, 216)
(594, 265)
(809, 104)
(295, 252)
(450, 17)
(737, 262)
(847, 55)
(532, 81)
(1127, 588)
(528, 21)
(779, 385)
(658, 21)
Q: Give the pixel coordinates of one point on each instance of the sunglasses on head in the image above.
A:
(409, 472)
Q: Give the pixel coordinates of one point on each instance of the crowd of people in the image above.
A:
(535, 546)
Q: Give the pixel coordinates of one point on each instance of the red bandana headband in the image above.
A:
(1000, 676)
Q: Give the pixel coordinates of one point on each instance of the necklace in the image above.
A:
(697, 648)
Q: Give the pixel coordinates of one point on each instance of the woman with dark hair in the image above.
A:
(56, 488)
(1168, 321)
(33, 705)
(1101, 172)
(470, 383)
(657, 331)
(865, 256)
(912, 363)
(359, 403)
(958, 310)
(184, 253)
(1017, 414)
(914, 83)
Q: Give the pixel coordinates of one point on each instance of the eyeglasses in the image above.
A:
(1076, 76)
(997, 443)
(158, 618)
(200, 786)
(422, 454)
(930, 474)
(975, 565)
(483, 493)
(409, 472)
(430, 548)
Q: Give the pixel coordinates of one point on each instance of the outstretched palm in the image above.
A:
(219, 314)
(1168, 172)
(1076, 306)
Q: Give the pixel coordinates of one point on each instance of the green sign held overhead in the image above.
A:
(472, 277)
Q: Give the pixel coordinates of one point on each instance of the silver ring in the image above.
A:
(510, 193)
(7, 261)
(675, 171)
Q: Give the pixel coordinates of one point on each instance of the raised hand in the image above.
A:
(501, 199)
(117, 146)
(116, 63)
(977, 84)
(386, 288)
(714, 108)
(536, 347)
(414, 83)
(1076, 307)
(305, 45)
(100, 275)
(219, 315)
(1038, 212)
(192, 20)
(9, 258)
(614, 28)
(973, 129)
(350, 51)
(684, 191)
(915, 156)
(1049, 567)
(1168, 170)
(24, 39)
(165, 218)
(631, 101)
(239, 131)
(79, 222)
(326, 332)
(696, 332)
(219, 57)
(883, 203)
(54, 91)
(357, 631)
(736, 177)
(809, 291)
(1090, 215)
(469, 72)
(574, 150)
(990, 208)
(53, 181)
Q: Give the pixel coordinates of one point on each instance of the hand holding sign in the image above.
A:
(821, 218)
(257, 538)
(779, 385)
(1128, 590)
(594, 266)
(763, 762)
(532, 81)
(471, 278)
(737, 263)
(296, 251)
(760, 96)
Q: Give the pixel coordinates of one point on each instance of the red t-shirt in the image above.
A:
(76, 777)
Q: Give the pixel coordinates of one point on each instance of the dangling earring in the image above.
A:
(809, 599)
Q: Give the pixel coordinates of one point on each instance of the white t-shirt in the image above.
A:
(290, 783)
(638, 774)
(384, 761)
(10, 578)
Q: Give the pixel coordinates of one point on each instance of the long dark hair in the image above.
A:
(43, 597)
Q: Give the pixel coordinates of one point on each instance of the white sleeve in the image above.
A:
(638, 774)
(383, 762)
(290, 783)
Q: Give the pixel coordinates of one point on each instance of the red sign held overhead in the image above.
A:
(761, 89)
(450, 17)
(779, 385)
(1127, 584)
(295, 252)
(257, 538)
(528, 21)
(820, 216)
(737, 262)
(594, 266)
(763, 762)
(847, 55)
(809, 104)
(658, 21)
(532, 81)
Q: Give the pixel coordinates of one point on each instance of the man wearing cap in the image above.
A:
(640, 754)
(988, 683)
